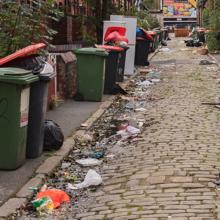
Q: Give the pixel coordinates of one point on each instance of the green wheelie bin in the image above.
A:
(158, 38)
(90, 73)
(14, 107)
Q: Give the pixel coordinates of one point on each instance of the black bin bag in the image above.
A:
(53, 136)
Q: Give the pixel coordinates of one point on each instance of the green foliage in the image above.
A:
(25, 24)
(146, 20)
(213, 43)
(103, 9)
(211, 19)
(151, 4)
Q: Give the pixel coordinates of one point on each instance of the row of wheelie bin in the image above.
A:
(23, 104)
(24, 83)
(101, 68)
(147, 42)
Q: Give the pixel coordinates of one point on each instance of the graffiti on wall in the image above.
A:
(178, 8)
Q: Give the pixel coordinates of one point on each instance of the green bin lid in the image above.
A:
(17, 76)
(92, 51)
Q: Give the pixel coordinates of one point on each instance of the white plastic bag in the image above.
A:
(133, 130)
(88, 162)
(92, 179)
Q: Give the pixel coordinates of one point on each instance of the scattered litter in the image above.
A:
(43, 205)
(92, 179)
(165, 49)
(70, 177)
(84, 125)
(32, 188)
(97, 155)
(130, 105)
(50, 199)
(155, 80)
(89, 162)
(145, 83)
(140, 109)
(84, 137)
(111, 156)
(206, 62)
(133, 130)
(155, 75)
(122, 126)
(65, 165)
(130, 130)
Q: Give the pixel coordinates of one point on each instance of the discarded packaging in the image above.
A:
(97, 155)
(92, 179)
(140, 109)
(57, 196)
(155, 80)
(43, 205)
(165, 49)
(84, 125)
(65, 165)
(84, 138)
(133, 130)
(88, 162)
(206, 62)
(130, 130)
(145, 83)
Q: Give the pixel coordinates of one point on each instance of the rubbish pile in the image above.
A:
(197, 38)
(81, 171)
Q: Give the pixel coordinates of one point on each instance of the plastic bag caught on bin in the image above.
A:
(92, 179)
(53, 136)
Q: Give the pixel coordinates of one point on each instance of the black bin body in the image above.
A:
(141, 52)
(37, 114)
(111, 71)
(121, 67)
(165, 34)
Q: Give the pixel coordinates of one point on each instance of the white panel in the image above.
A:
(108, 24)
(129, 62)
(131, 24)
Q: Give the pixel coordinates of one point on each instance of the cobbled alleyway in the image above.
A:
(171, 172)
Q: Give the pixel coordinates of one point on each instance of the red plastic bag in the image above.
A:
(120, 30)
(115, 36)
(58, 196)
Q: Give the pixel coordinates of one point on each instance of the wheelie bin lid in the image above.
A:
(92, 51)
(110, 48)
(17, 76)
(143, 34)
(23, 52)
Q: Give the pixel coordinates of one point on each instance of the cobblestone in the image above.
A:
(169, 173)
